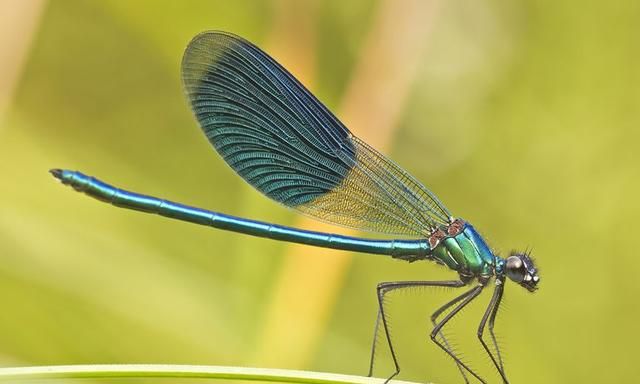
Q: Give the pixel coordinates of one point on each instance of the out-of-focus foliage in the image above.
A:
(524, 120)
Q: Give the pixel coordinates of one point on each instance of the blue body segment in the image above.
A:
(465, 252)
(481, 248)
(418, 249)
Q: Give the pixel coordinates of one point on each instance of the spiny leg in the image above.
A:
(382, 289)
(490, 314)
(434, 318)
(468, 297)
(491, 324)
(373, 346)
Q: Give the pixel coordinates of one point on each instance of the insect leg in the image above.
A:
(490, 314)
(386, 287)
(467, 298)
(434, 318)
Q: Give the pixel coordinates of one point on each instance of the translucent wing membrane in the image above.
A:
(278, 137)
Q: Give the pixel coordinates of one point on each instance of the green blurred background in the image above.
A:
(522, 116)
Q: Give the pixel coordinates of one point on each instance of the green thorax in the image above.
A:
(461, 248)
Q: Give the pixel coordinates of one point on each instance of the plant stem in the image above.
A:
(183, 371)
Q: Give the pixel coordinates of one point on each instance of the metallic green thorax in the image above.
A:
(461, 248)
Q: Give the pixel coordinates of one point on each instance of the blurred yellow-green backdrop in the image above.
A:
(521, 116)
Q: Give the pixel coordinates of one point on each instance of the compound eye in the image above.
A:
(515, 269)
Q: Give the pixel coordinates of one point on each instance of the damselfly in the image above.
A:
(284, 142)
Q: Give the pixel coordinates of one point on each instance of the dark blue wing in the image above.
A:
(278, 137)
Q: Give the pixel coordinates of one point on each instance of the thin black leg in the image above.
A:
(373, 346)
(382, 289)
(467, 298)
(434, 318)
(491, 324)
(490, 314)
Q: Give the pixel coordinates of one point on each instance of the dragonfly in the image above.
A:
(285, 143)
